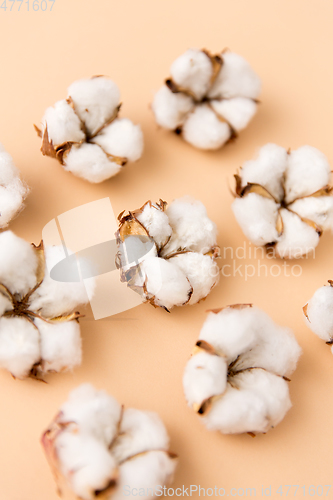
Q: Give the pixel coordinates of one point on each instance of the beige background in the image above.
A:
(139, 355)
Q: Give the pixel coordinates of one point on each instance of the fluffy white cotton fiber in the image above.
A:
(208, 99)
(283, 199)
(100, 447)
(319, 313)
(85, 133)
(236, 377)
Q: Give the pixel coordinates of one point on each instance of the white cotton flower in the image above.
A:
(99, 447)
(84, 133)
(237, 377)
(168, 254)
(12, 190)
(208, 99)
(283, 199)
(39, 330)
(319, 313)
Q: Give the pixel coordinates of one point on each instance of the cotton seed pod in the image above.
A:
(12, 190)
(99, 448)
(168, 254)
(39, 328)
(85, 134)
(319, 313)
(283, 199)
(209, 98)
(237, 376)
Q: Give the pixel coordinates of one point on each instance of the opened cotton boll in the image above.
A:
(39, 328)
(283, 200)
(237, 377)
(208, 99)
(98, 447)
(319, 313)
(85, 134)
(168, 254)
(12, 190)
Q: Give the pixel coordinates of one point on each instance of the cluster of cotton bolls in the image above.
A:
(236, 378)
(167, 254)
(208, 99)
(283, 199)
(39, 332)
(12, 189)
(319, 313)
(100, 449)
(85, 134)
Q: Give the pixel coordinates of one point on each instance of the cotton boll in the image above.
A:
(156, 223)
(237, 111)
(192, 228)
(297, 239)
(8, 170)
(121, 138)
(204, 130)
(267, 170)
(19, 346)
(258, 401)
(165, 282)
(95, 100)
(193, 71)
(140, 431)
(60, 345)
(235, 79)
(308, 171)
(86, 463)
(63, 125)
(320, 313)
(319, 209)
(10, 204)
(18, 263)
(170, 109)
(257, 217)
(146, 472)
(91, 163)
(205, 376)
(201, 271)
(94, 412)
(54, 298)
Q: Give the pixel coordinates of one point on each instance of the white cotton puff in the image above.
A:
(55, 298)
(8, 171)
(90, 162)
(60, 345)
(319, 209)
(147, 473)
(191, 226)
(320, 313)
(170, 109)
(201, 270)
(267, 170)
(258, 402)
(121, 138)
(308, 171)
(193, 71)
(11, 200)
(235, 79)
(18, 263)
(257, 217)
(94, 411)
(204, 130)
(165, 282)
(63, 125)
(238, 111)
(95, 100)
(86, 463)
(298, 238)
(19, 346)
(156, 223)
(140, 431)
(205, 376)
